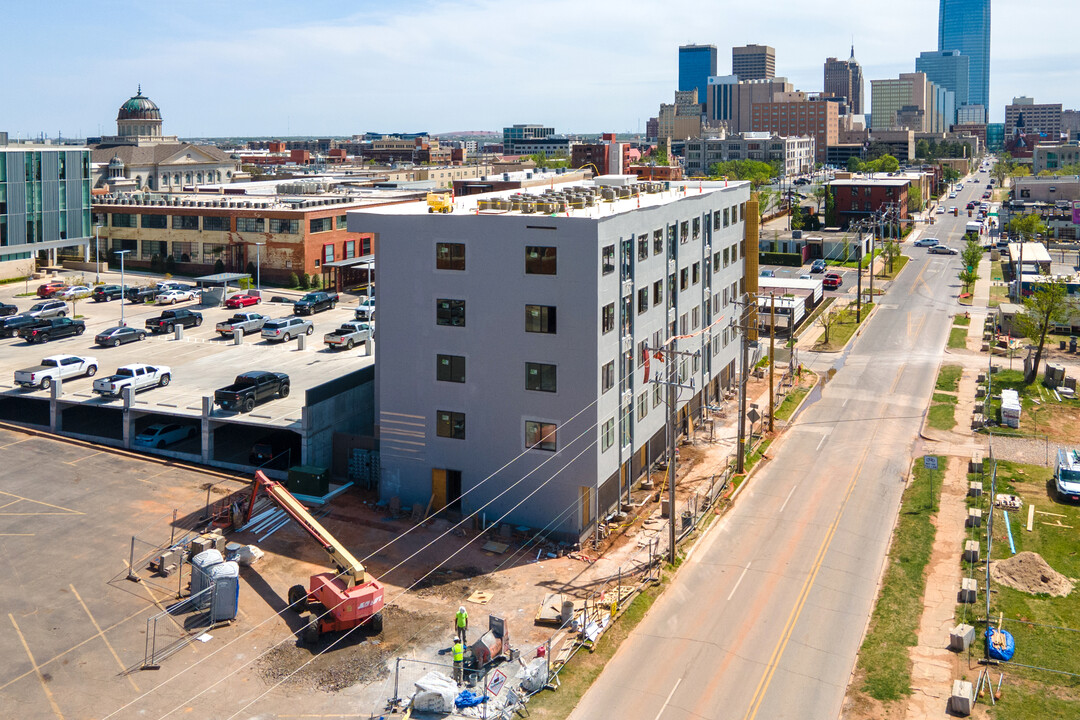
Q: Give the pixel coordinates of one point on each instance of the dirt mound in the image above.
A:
(1028, 572)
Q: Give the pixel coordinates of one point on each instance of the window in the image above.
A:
(450, 368)
(642, 300)
(657, 292)
(696, 273)
(539, 260)
(328, 253)
(608, 260)
(154, 221)
(716, 220)
(624, 430)
(683, 324)
(450, 312)
(540, 435)
(695, 318)
(726, 217)
(450, 256)
(696, 228)
(215, 223)
(124, 220)
(684, 231)
(735, 252)
(643, 247)
(342, 222)
(607, 376)
(607, 318)
(450, 424)
(250, 224)
(607, 435)
(727, 257)
(657, 242)
(540, 319)
(288, 227)
(657, 394)
(540, 377)
(185, 222)
(318, 225)
(684, 278)
(350, 249)
(642, 406)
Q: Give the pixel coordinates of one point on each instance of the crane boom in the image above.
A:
(343, 560)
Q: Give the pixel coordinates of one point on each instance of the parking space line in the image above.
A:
(86, 457)
(39, 502)
(37, 669)
(103, 637)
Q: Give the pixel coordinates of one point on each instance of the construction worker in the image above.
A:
(461, 623)
(459, 660)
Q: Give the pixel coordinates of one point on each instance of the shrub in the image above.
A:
(293, 280)
(305, 281)
(776, 258)
(316, 282)
(170, 265)
(155, 263)
(251, 269)
(219, 266)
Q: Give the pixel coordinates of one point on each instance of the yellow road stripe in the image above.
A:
(41, 678)
(102, 634)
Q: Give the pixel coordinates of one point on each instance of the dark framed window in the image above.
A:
(152, 221)
(288, 227)
(540, 260)
(320, 224)
(642, 300)
(540, 319)
(540, 435)
(540, 377)
(450, 424)
(607, 376)
(450, 312)
(658, 292)
(684, 278)
(608, 260)
(643, 247)
(450, 368)
(342, 222)
(185, 222)
(696, 271)
(450, 256)
(607, 318)
(250, 224)
(215, 223)
(657, 242)
(328, 253)
(350, 249)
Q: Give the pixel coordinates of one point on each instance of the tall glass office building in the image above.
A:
(697, 63)
(964, 25)
(950, 70)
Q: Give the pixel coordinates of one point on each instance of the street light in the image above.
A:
(123, 287)
(97, 255)
(258, 264)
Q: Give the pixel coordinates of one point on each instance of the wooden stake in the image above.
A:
(1031, 516)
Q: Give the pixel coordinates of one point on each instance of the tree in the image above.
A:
(305, 281)
(1026, 227)
(797, 218)
(830, 210)
(922, 149)
(950, 174)
(828, 320)
(1048, 304)
(766, 196)
(890, 250)
(1002, 167)
(914, 200)
(1019, 171)
(219, 266)
(971, 254)
(854, 164)
(819, 193)
(888, 163)
(967, 277)
(757, 173)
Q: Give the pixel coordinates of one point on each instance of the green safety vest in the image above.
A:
(459, 652)
(462, 619)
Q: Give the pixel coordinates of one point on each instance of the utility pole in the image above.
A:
(772, 358)
(740, 464)
(858, 281)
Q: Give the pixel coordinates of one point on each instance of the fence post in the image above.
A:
(131, 562)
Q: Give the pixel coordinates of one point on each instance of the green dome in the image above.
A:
(139, 107)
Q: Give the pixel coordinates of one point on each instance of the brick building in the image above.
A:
(857, 198)
(815, 118)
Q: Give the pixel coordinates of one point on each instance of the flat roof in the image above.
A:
(1032, 252)
(780, 282)
(891, 181)
(349, 262)
(222, 277)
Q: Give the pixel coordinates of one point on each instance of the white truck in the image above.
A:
(348, 335)
(57, 367)
(245, 322)
(137, 377)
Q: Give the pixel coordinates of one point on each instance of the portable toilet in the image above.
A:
(200, 569)
(226, 595)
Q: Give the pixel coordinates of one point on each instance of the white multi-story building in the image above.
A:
(795, 154)
(512, 337)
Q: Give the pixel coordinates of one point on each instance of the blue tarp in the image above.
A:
(468, 699)
(1004, 653)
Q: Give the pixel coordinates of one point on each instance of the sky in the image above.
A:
(321, 68)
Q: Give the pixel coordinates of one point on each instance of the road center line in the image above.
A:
(670, 694)
(787, 498)
(825, 436)
(741, 576)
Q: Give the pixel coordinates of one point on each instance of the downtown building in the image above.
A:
(513, 336)
(795, 155)
(753, 62)
(912, 102)
(697, 63)
(964, 26)
(844, 79)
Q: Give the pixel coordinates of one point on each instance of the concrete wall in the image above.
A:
(10, 269)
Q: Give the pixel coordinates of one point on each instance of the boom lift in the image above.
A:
(337, 601)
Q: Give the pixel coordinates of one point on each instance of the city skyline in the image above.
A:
(239, 69)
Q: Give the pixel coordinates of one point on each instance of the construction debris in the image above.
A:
(481, 597)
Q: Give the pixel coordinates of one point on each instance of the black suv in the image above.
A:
(9, 326)
(105, 293)
(45, 330)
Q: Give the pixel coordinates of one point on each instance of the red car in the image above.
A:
(241, 301)
(832, 281)
(50, 288)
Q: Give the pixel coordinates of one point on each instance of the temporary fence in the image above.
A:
(150, 555)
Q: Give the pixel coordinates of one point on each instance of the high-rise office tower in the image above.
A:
(964, 25)
(697, 63)
(844, 78)
(948, 69)
(753, 62)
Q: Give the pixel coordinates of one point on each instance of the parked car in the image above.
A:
(953, 210)
(272, 451)
(806, 276)
(942, 250)
(48, 309)
(251, 388)
(9, 326)
(245, 322)
(315, 302)
(137, 295)
(159, 435)
(55, 327)
(168, 285)
(50, 288)
(347, 335)
(169, 319)
(286, 328)
(1067, 475)
(137, 376)
(117, 336)
(940, 209)
(926, 242)
(171, 297)
(767, 273)
(7, 309)
(74, 292)
(365, 312)
(105, 293)
(952, 195)
(57, 367)
(802, 181)
(832, 281)
(242, 300)
(818, 266)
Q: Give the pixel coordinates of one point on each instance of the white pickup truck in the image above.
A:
(57, 367)
(137, 377)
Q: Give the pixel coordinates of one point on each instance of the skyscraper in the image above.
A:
(697, 63)
(964, 25)
(753, 62)
(948, 69)
(844, 78)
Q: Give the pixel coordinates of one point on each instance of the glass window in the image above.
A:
(540, 435)
(328, 253)
(684, 278)
(289, 227)
(250, 224)
(607, 376)
(657, 242)
(608, 260)
(317, 225)
(450, 424)
(540, 377)
(642, 300)
(450, 368)
(185, 222)
(540, 319)
(657, 292)
(342, 222)
(124, 220)
(643, 406)
(607, 318)
(607, 435)
(450, 256)
(716, 221)
(726, 217)
(696, 268)
(716, 261)
(450, 312)
(624, 430)
(643, 247)
(216, 222)
(157, 222)
(539, 260)
(696, 228)
(350, 249)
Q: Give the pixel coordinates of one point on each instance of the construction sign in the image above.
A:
(495, 685)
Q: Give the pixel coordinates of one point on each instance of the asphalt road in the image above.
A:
(765, 619)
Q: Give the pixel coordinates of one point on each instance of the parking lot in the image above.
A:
(848, 275)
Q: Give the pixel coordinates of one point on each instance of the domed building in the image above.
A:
(151, 161)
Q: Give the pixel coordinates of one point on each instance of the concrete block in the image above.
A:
(971, 551)
(178, 332)
(979, 408)
(962, 699)
(977, 421)
(980, 391)
(975, 465)
(238, 336)
(961, 637)
(969, 590)
(994, 369)
(985, 347)
(974, 517)
(981, 378)
(974, 488)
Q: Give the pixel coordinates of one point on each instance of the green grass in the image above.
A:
(961, 321)
(786, 408)
(809, 322)
(842, 331)
(898, 265)
(958, 338)
(753, 458)
(998, 295)
(948, 378)
(995, 271)
(942, 416)
(1047, 405)
(942, 397)
(895, 621)
(855, 263)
